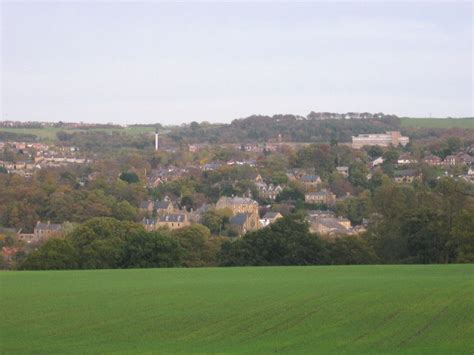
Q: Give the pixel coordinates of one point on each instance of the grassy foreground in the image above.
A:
(344, 309)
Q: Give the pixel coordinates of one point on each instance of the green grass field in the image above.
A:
(438, 123)
(325, 310)
(49, 133)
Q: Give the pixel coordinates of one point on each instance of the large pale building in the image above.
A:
(238, 204)
(382, 139)
(244, 211)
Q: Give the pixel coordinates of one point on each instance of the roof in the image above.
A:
(310, 178)
(238, 200)
(175, 217)
(239, 219)
(333, 224)
(145, 204)
(271, 215)
(48, 226)
(323, 192)
(162, 205)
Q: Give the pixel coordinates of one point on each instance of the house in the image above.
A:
(149, 224)
(238, 205)
(432, 160)
(449, 160)
(245, 222)
(146, 206)
(406, 159)
(269, 218)
(268, 191)
(393, 138)
(463, 158)
(153, 181)
(310, 181)
(330, 226)
(343, 170)
(172, 220)
(320, 213)
(44, 231)
(164, 206)
(406, 176)
(320, 197)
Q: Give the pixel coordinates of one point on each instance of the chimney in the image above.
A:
(156, 140)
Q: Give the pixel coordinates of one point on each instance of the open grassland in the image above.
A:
(326, 310)
(49, 133)
(467, 123)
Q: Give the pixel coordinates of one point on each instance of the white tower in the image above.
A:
(156, 140)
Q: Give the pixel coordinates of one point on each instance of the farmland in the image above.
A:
(49, 133)
(467, 123)
(356, 309)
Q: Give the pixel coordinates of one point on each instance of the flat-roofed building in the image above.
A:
(381, 139)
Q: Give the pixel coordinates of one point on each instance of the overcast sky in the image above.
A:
(149, 62)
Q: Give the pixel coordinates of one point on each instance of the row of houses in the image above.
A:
(244, 210)
(449, 160)
(327, 224)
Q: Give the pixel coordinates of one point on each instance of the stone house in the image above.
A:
(241, 206)
(320, 197)
(268, 191)
(310, 181)
(432, 160)
(449, 160)
(406, 176)
(171, 221)
(165, 206)
(238, 204)
(245, 222)
(44, 231)
(146, 207)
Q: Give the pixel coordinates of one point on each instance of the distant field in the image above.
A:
(438, 122)
(50, 132)
(345, 309)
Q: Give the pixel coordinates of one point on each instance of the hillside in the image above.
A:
(356, 309)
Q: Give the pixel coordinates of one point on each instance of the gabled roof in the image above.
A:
(238, 200)
(162, 205)
(145, 204)
(310, 178)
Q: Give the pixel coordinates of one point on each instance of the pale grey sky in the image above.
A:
(168, 62)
